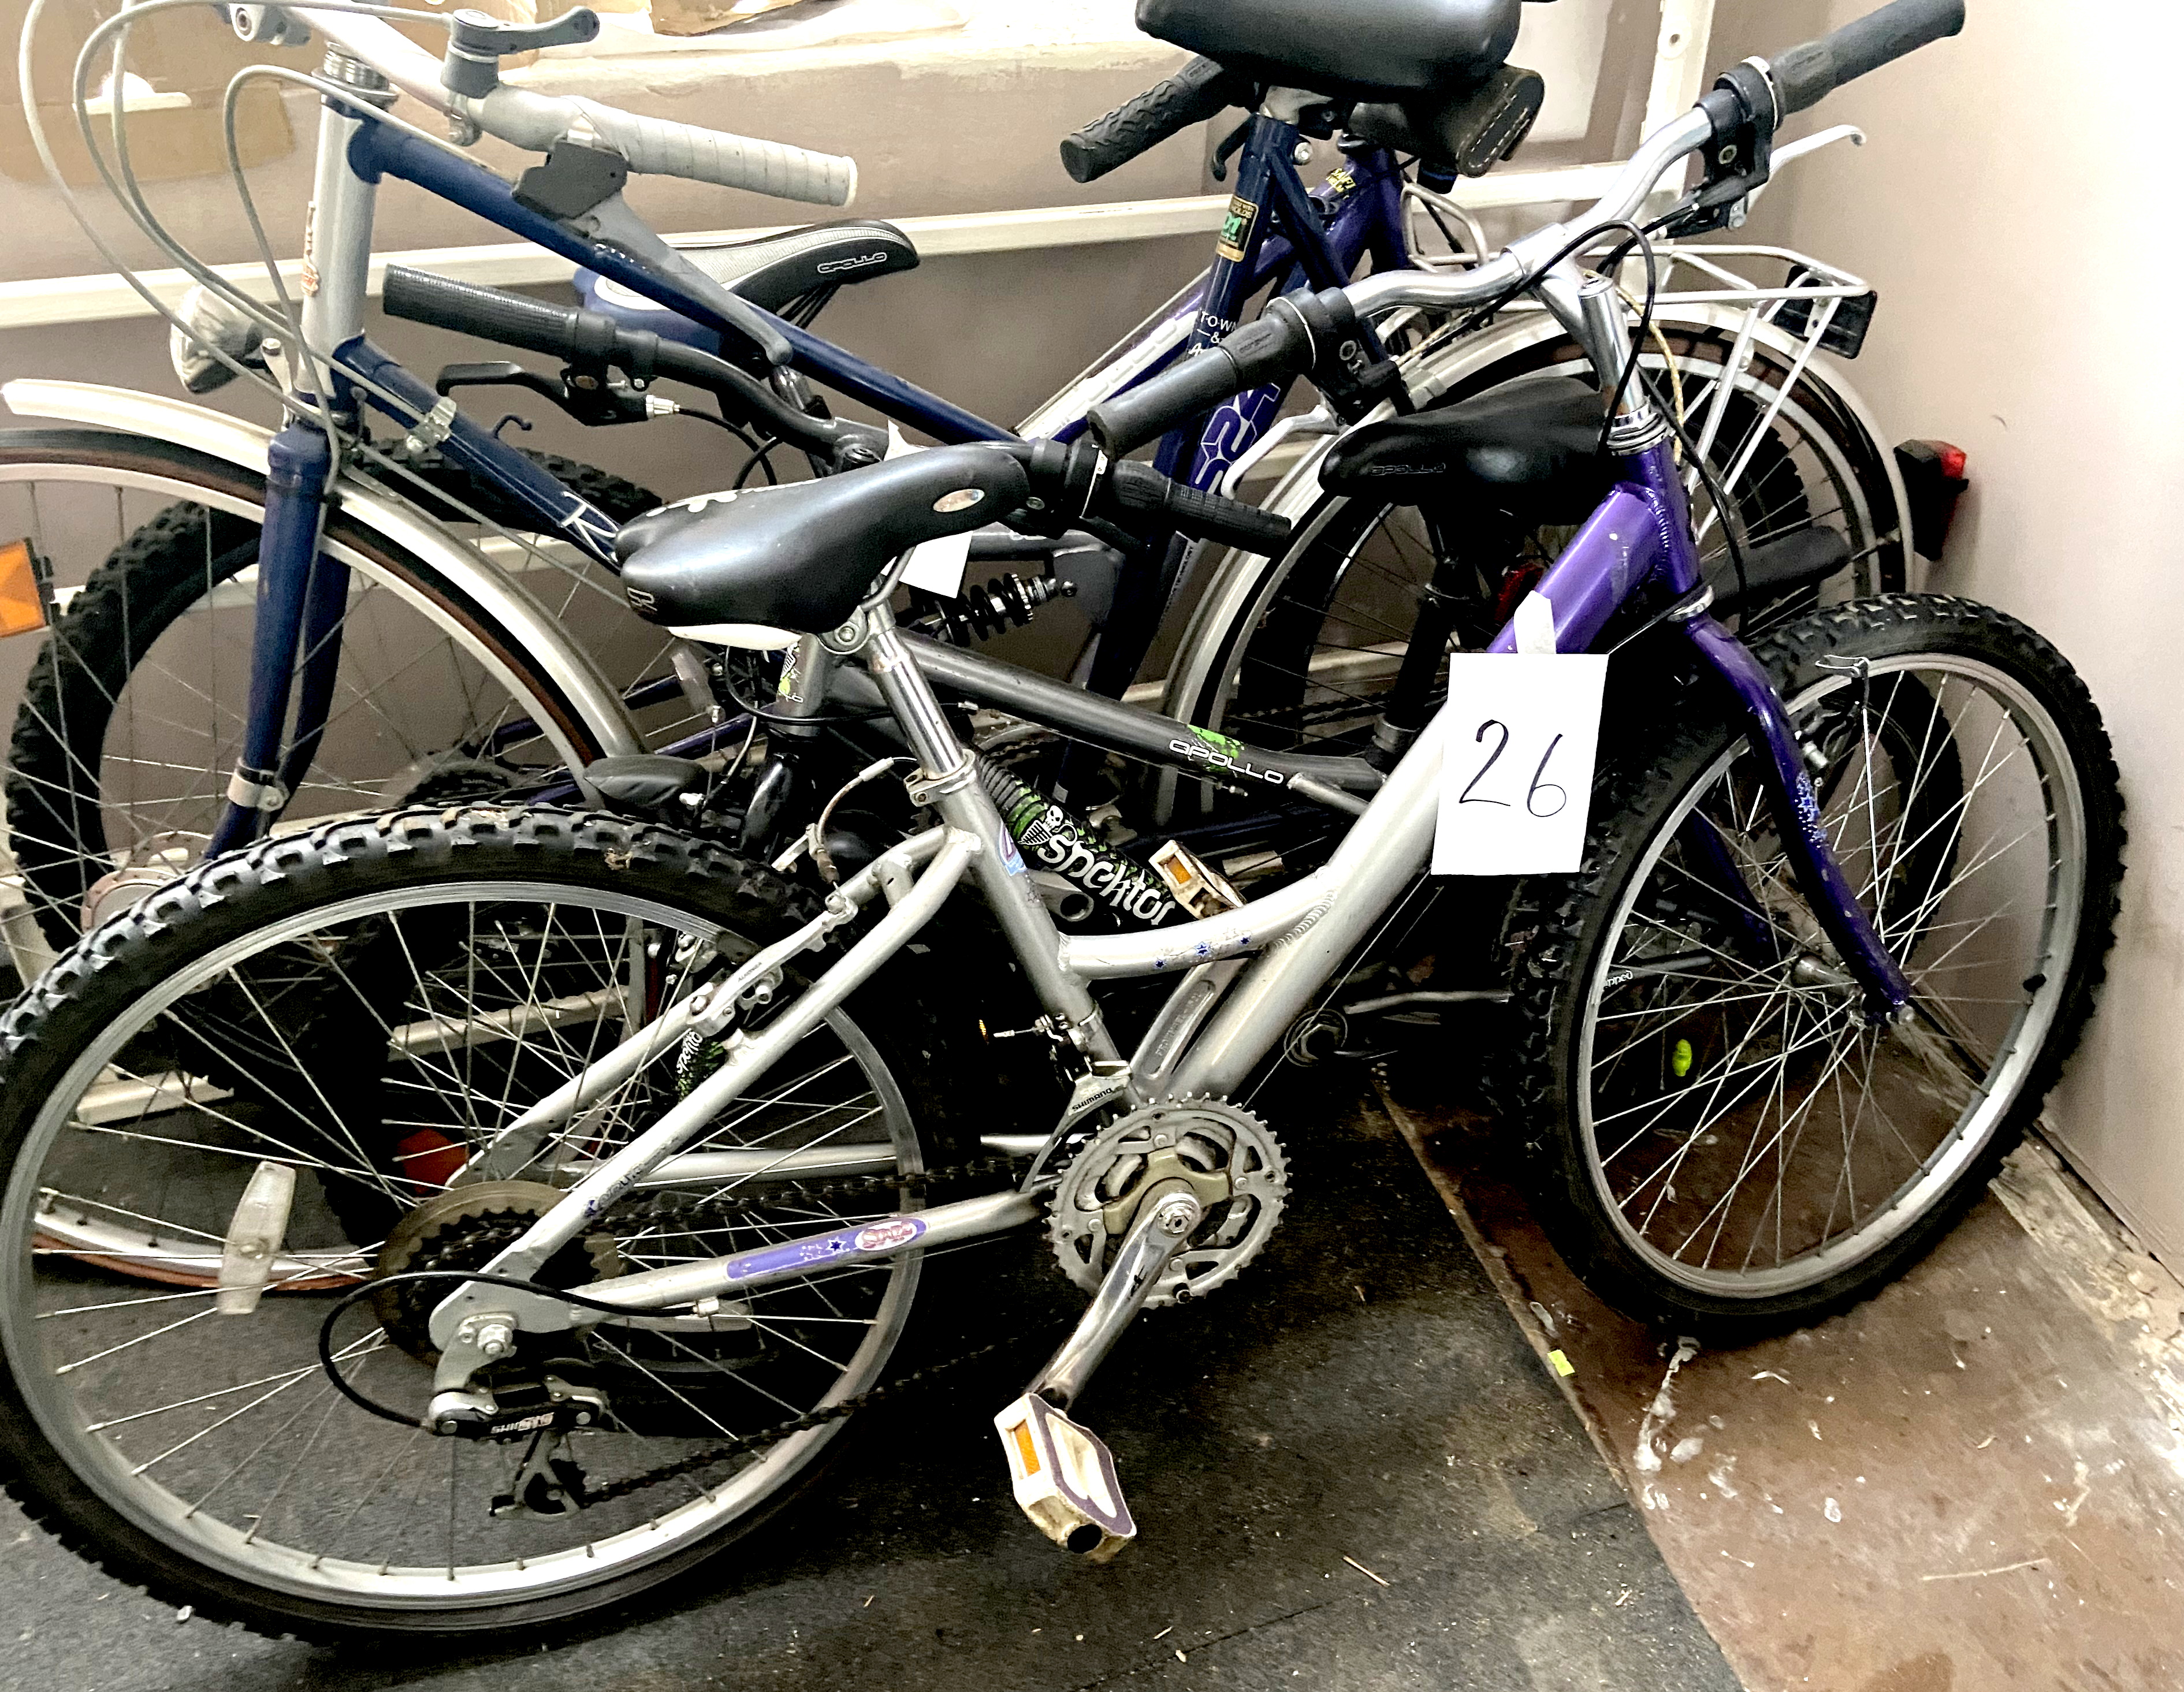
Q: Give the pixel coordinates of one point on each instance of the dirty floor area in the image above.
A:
(1974, 1480)
(1350, 1471)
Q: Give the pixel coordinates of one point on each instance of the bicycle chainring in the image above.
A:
(1092, 1207)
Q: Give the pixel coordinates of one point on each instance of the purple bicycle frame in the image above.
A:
(1642, 532)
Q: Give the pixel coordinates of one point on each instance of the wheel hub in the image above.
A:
(467, 1228)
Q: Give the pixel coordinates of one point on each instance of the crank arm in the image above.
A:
(1063, 1477)
(1164, 1223)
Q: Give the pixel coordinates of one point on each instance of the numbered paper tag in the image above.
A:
(1516, 779)
(937, 566)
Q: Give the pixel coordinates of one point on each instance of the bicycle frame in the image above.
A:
(1244, 976)
(301, 597)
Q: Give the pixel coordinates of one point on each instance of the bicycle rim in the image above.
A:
(221, 1438)
(1748, 1134)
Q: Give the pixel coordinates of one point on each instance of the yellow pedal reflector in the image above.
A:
(1064, 1479)
(22, 602)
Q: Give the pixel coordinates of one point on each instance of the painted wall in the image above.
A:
(2014, 207)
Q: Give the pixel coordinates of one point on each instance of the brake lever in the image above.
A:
(1739, 159)
(613, 224)
(495, 373)
(600, 403)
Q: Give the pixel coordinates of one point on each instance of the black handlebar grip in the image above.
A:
(1140, 488)
(1805, 74)
(1200, 91)
(492, 314)
(1262, 350)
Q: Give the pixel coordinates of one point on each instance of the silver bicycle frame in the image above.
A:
(1242, 978)
(1217, 1025)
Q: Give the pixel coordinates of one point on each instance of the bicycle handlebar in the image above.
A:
(1805, 74)
(660, 146)
(576, 336)
(1272, 347)
(656, 146)
(1200, 91)
(1141, 490)
(493, 314)
(1257, 352)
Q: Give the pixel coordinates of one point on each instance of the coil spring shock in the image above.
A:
(1006, 602)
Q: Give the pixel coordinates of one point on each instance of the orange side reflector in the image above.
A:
(1025, 1448)
(22, 608)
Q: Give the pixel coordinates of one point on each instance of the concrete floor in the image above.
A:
(1359, 1398)
(1974, 1480)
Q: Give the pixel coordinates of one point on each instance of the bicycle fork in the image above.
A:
(303, 592)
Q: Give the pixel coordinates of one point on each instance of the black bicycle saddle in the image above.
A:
(801, 556)
(1362, 49)
(1533, 451)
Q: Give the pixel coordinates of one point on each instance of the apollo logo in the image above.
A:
(833, 266)
(1232, 760)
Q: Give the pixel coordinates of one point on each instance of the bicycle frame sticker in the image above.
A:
(891, 1235)
(1236, 228)
(1064, 845)
(1222, 753)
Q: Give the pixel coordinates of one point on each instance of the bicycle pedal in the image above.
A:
(1064, 1479)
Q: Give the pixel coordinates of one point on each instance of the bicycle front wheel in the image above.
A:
(133, 707)
(369, 1005)
(1723, 1141)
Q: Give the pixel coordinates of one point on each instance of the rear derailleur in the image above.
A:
(548, 1407)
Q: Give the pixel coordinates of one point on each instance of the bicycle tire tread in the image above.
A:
(1545, 930)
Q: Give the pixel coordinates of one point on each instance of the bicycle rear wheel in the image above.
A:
(380, 999)
(1298, 652)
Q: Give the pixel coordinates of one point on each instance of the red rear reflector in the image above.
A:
(1952, 460)
(22, 607)
(430, 1158)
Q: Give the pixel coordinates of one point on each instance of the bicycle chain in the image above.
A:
(662, 1207)
(808, 1420)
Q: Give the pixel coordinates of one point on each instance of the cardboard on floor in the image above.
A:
(1971, 1481)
